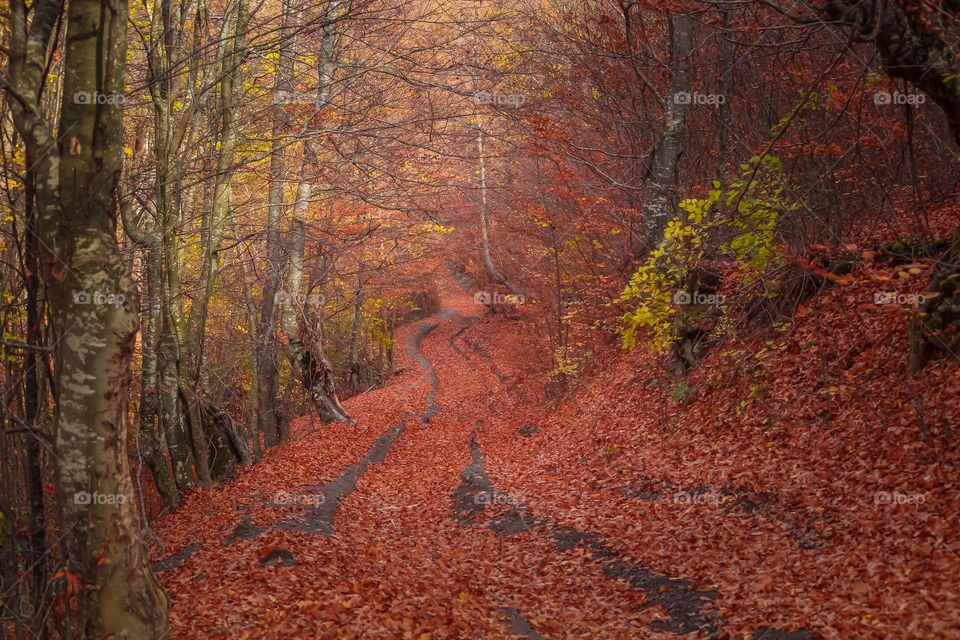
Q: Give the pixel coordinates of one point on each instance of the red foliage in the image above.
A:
(829, 480)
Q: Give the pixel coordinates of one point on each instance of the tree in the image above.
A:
(916, 42)
(657, 206)
(91, 298)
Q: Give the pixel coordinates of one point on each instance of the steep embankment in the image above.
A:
(807, 479)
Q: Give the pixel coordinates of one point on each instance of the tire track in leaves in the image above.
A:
(320, 513)
(414, 345)
(688, 608)
(319, 518)
(511, 617)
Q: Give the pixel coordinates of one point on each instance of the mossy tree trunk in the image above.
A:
(91, 302)
(936, 326)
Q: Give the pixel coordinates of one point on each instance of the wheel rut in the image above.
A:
(320, 509)
(452, 501)
(688, 608)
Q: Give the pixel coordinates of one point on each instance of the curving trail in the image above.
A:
(392, 528)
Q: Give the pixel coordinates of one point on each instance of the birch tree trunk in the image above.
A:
(305, 348)
(492, 269)
(91, 298)
(657, 207)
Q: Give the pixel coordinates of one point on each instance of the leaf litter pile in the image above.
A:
(796, 486)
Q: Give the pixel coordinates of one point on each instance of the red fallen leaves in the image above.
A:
(845, 441)
(821, 420)
(399, 565)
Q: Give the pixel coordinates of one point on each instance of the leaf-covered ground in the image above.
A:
(802, 487)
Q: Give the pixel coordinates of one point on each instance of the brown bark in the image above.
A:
(916, 42)
(91, 298)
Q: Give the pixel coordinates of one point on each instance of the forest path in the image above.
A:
(393, 529)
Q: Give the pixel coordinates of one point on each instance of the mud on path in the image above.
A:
(391, 528)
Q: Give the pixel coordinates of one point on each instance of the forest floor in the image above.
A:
(784, 499)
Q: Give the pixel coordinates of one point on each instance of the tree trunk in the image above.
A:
(150, 441)
(492, 269)
(305, 346)
(728, 53)
(230, 58)
(270, 420)
(935, 325)
(353, 362)
(318, 374)
(291, 304)
(37, 558)
(91, 299)
(150, 435)
(252, 412)
(175, 101)
(657, 207)
(171, 411)
(915, 43)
